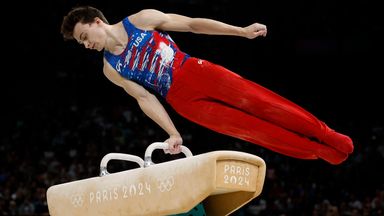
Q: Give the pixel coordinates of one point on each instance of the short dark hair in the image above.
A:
(82, 14)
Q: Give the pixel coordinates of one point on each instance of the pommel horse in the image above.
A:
(223, 181)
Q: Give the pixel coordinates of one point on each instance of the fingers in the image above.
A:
(257, 34)
(257, 30)
(174, 149)
(262, 33)
(174, 145)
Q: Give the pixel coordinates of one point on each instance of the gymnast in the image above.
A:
(141, 57)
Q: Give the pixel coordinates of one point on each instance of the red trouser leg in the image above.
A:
(220, 100)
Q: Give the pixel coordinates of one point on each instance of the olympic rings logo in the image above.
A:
(165, 184)
(77, 200)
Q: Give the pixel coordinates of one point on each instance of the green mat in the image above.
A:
(196, 211)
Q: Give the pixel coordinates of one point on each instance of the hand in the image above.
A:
(255, 30)
(174, 144)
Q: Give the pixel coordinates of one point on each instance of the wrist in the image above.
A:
(242, 32)
(176, 134)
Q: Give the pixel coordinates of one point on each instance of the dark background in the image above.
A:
(326, 56)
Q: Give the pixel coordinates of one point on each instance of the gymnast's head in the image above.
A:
(86, 25)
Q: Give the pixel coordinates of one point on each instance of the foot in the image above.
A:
(338, 141)
(331, 155)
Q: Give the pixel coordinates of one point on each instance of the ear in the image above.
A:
(98, 20)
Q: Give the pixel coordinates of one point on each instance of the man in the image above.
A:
(139, 54)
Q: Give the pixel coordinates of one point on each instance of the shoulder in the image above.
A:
(147, 18)
(145, 14)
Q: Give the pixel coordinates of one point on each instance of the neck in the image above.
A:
(115, 40)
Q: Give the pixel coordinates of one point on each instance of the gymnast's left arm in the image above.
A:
(151, 19)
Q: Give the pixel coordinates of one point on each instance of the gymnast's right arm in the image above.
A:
(149, 104)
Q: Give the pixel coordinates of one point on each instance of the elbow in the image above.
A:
(196, 28)
(141, 100)
(146, 102)
(137, 92)
(143, 96)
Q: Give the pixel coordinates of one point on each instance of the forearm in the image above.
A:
(151, 106)
(213, 27)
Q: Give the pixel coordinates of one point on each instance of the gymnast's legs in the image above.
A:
(221, 100)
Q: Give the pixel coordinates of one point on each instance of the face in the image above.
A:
(92, 35)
